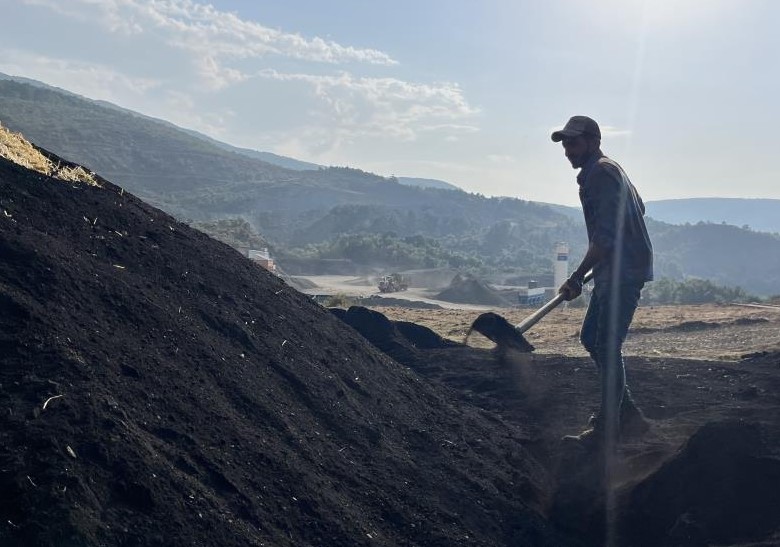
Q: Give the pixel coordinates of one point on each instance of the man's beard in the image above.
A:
(577, 161)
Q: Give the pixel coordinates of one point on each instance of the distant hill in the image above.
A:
(198, 179)
(574, 213)
(759, 214)
(201, 180)
(268, 157)
(298, 165)
(427, 183)
(725, 254)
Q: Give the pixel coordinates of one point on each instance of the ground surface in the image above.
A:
(707, 331)
(157, 388)
(358, 288)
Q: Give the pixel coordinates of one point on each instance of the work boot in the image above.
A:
(633, 423)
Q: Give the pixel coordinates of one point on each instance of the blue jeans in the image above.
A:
(604, 330)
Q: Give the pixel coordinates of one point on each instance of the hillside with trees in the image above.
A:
(336, 212)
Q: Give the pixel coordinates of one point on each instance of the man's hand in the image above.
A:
(571, 288)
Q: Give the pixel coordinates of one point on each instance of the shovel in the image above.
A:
(508, 336)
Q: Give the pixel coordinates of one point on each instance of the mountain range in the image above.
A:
(198, 179)
(762, 215)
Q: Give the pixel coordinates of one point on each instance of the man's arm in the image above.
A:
(572, 287)
(603, 192)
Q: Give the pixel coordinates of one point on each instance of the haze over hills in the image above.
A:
(427, 183)
(345, 212)
(197, 180)
(298, 165)
(759, 214)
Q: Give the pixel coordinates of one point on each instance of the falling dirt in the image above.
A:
(156, 388)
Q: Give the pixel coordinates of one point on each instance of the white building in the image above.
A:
(561, 264)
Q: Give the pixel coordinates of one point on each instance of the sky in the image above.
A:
(686, 91)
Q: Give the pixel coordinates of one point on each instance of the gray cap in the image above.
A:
(577, 125)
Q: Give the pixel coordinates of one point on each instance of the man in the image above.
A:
(621, 257)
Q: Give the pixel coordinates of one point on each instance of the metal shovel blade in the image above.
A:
(508, 336)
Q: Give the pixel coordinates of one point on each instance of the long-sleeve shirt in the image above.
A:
(614, 219)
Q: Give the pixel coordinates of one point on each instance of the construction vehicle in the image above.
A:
(392, 283)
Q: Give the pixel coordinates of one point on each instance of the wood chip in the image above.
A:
(51, 399)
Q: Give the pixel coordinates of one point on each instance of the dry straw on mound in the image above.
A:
(14, 147)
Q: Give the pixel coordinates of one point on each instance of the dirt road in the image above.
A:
(363, 287)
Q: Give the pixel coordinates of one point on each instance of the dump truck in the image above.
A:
(392, 283)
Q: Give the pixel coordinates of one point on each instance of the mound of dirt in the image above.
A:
(157, 388)
(399, 339)
(469, 290)
(685, 326)
(750, 320)
(690, 326)
(722, 487)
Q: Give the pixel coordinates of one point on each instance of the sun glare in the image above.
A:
(666, 13)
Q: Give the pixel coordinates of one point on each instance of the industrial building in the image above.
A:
(533, 295)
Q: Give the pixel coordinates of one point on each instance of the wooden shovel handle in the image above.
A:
(534, 318)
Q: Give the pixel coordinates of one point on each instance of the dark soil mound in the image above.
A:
(721, 488)
(468, 290)
(422, 337)
(690, 326)
(398, 339)
(687, 326)
(159, 389)
(750, 320)
(300, 283)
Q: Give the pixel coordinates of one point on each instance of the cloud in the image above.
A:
(214, 75)
(611, 131)
(96, 81)
(217, 44)
(89, 79)
(213, 71)
(501, 158)
(360, 106)
(202, 29)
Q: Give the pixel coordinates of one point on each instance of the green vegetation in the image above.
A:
(692, 291)
(389, 250)
(726, 255)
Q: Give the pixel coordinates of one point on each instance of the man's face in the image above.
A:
(577, 149)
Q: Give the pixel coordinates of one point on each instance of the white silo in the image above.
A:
(561, 264)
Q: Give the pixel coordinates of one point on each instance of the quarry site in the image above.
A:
(157, 388)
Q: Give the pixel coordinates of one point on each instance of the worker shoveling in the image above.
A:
(510, 337)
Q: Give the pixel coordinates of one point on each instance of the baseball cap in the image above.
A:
(577, 125)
